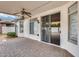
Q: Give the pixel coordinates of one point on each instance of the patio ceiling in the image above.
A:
(34, 7)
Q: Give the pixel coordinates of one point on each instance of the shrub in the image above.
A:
(11, 34)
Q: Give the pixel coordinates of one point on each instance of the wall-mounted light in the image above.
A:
(38, 21)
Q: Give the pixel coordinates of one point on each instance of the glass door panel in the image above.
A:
(45, 29)
(51, 28)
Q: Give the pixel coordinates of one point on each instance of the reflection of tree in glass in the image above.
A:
(55, 25)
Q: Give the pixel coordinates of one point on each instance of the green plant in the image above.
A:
(11, 34)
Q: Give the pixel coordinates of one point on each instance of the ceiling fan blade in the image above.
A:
(16, 13)
(22, 13)
(28, 13)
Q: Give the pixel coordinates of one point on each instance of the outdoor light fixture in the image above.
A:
(38, 21)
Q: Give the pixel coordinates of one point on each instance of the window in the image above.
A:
(21, 26)
(34, 26)
(31, 27)
(73, 23)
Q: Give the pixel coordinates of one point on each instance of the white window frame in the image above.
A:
(72, 11)
(21, 26)
(35, 24)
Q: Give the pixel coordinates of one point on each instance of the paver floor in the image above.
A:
(24, 47)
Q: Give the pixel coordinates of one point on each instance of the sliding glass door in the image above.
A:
(55, 29)
(45, 29)
(51, 28)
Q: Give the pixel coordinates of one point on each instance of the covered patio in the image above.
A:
(42, 28)
(24, 47)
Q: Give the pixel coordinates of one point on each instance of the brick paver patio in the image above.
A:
(24, 47)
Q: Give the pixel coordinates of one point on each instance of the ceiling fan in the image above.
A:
(23, 13)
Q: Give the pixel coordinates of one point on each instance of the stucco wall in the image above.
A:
(27, 30)
(72, 48)
(18, 30)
